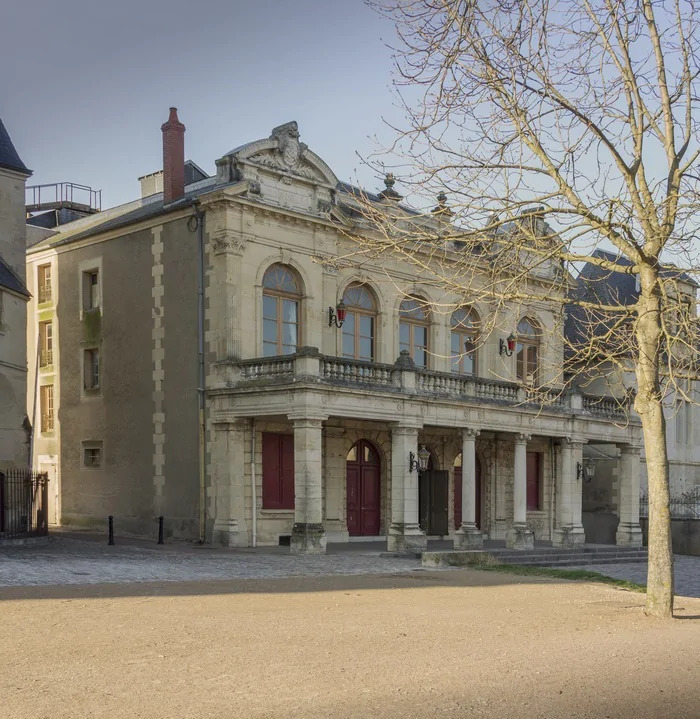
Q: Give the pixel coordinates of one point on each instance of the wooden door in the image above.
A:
(433, 500)
(458, 495)
(363, 490)
(533, 480)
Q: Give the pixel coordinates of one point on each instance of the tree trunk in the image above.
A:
(649, 405)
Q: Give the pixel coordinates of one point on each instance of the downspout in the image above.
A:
(196, 223)
(253, 490)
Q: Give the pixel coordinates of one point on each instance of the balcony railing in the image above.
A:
(403, 377)
(45, 358)
(47, 422)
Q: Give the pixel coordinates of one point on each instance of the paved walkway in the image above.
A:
(687, 573)
(79, 561)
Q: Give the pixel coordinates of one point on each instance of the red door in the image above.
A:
(458, 495)
(363, 497)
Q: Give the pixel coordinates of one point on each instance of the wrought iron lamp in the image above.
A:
(585, 470)
(337, 316)
(420, 464)
(506, 347)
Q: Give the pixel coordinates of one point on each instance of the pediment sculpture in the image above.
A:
(288, 156)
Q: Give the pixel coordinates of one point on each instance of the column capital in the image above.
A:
(572, 442)
(470, 433)
(522, 438)
(405, 428)
(630, 448)
(307, 421)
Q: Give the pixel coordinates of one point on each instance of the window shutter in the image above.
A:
(278, 471)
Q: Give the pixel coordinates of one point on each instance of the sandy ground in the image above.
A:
(430, 644)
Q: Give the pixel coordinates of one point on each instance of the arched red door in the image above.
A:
(363, 495)
(458, 495)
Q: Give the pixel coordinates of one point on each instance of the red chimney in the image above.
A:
(173, 158)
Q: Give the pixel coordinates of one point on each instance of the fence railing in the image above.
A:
(24, 504)
(684, 506)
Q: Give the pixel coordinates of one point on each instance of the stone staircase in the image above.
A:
(538, 557)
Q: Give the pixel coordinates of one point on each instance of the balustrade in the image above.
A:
(345, 370)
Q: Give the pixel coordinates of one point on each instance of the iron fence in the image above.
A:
(684, 506)
(24, 504)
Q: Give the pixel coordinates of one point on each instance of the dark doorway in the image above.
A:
(534, 491)
(363, 490)
(433, 510)
(458, 494)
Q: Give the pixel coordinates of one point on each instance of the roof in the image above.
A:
(8, 155)
(10, 281)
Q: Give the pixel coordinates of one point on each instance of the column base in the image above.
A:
(568, 537)
(227, 533)
(406, 539)
(307, 539)
(520, 537)
(468, 536)
(628, 535)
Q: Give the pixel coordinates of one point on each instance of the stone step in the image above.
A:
(543, 558)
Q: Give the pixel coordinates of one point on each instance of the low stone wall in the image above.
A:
(685, 534)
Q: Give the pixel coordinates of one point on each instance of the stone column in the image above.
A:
(519, 536)
(469, 536)
(228, 480)
(405, 535)
(308, 534)
(629, 533)
(569, 529)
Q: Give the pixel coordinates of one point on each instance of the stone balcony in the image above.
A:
(308, 366)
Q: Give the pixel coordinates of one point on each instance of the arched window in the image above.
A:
(359, 324)
(414, 323)
(281, 304)
(527, 349)
(465, 326)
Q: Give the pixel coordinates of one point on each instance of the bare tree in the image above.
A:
(566, 135)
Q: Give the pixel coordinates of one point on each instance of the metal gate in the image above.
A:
(23, 504)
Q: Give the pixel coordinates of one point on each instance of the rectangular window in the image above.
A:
(44, 283)
(533, 481)
(277, 471)
(45, 344)
(91, 290)
(683, 420)
(92, 454)
(91, 369)
(46, 402)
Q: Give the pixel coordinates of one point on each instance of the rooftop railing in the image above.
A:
(62, 194)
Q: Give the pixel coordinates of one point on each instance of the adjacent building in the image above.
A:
(15, 428)
(213, 359)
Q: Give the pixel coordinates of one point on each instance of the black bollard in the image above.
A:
(111, 530)
(160, 530)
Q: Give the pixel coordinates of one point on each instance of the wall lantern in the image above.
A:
(421, 464)
(337, 317)
(585, 470)
(506, 348)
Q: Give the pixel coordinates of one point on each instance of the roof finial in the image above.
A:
(390, 193)
(441, 209)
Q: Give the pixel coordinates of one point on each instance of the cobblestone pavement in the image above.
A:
(687, 573)
(76, 561)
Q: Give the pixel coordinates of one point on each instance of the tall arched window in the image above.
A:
(281, 304)
(527, 357)
(465, 326)
(359, 324)
(413, 330)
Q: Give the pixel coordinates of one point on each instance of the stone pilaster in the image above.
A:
(569, 529)
(405, 535)
(629, 533)
(308, 534)
(519, 536)
(228, 464)
(469, 536)
(228, 248)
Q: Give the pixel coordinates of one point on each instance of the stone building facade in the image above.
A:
(201, 375)
(14, 424)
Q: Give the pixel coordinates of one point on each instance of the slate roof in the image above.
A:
(8, 155)
(10, 281)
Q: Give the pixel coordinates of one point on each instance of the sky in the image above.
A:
(86, 85)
